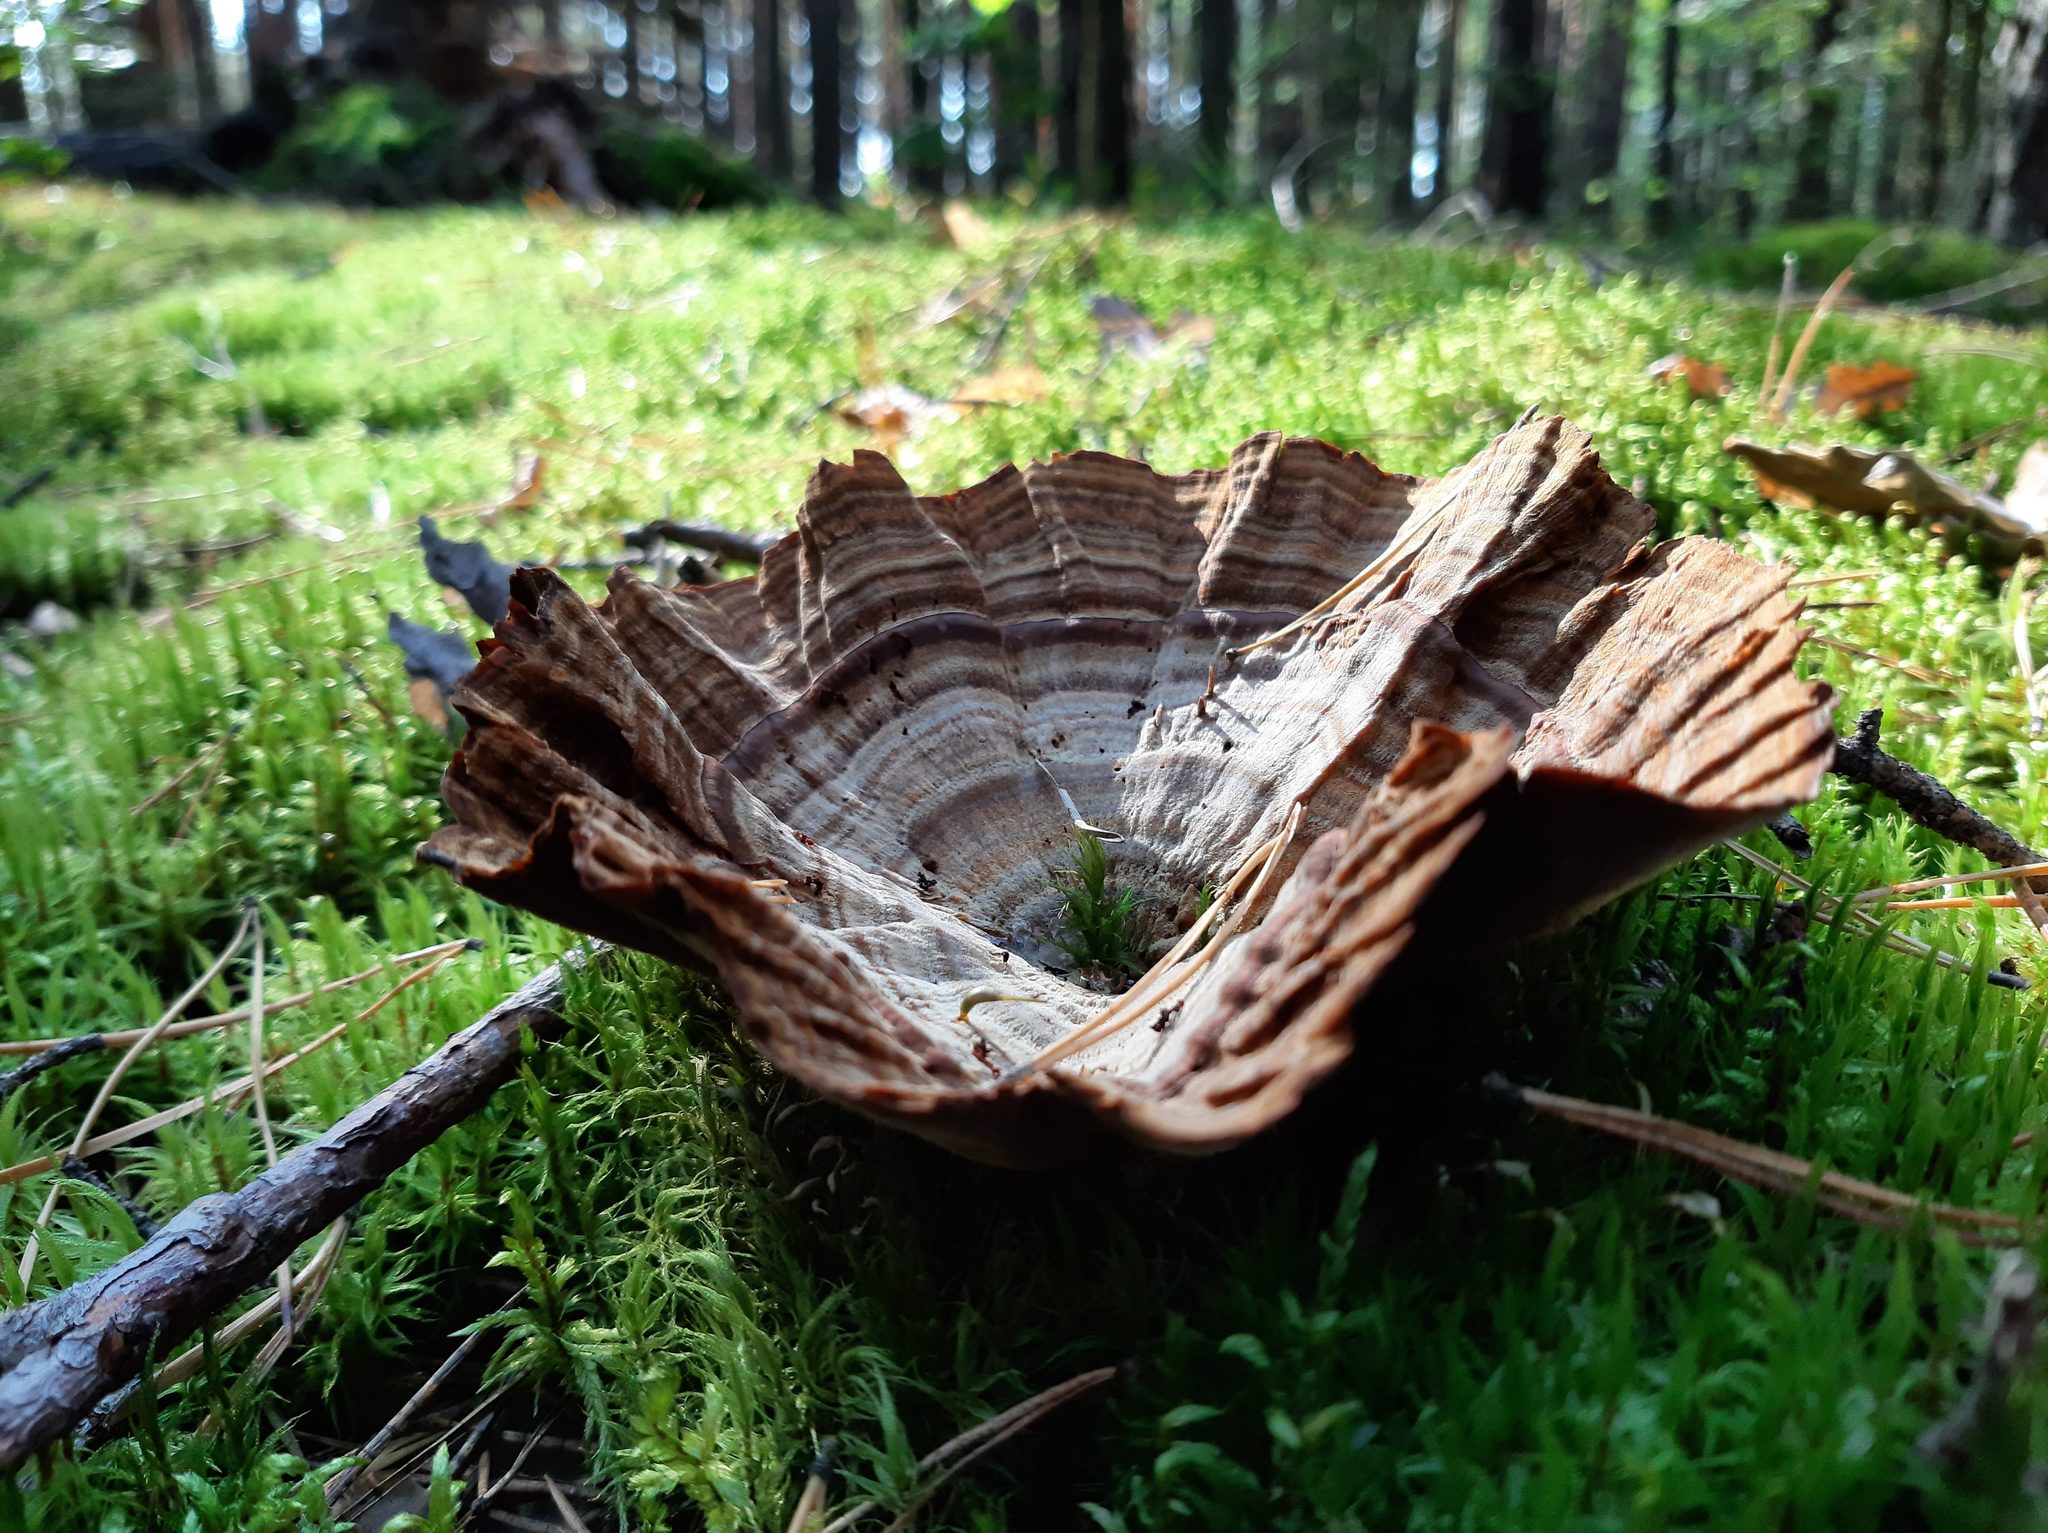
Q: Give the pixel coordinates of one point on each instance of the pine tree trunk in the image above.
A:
(1970, 113)
(1933, 118)
(1112, 62)
(1446, 112)
(1811, 195)
(1218, 48)
(1067, 119)
(1396, 137)
(1515, 158)
(1663, 204)
(827, 68)
(1013, 77)
(2019, 205)
(270, 36)
(774, 147)
(1606, 107)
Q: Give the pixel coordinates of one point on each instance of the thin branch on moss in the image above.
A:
(61, 1354)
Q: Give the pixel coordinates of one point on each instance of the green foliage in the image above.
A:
(1098, 920)
(369, 143)
(1924, 263)
(662, 167)
(1500, 1324)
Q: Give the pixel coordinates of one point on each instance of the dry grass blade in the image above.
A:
(308, 1284)
(1943, 880)
(954, 1455)
(1865, 1202)
(563, 1509)
(191, 1025)
(122, 1066)
(262, 1098)
(1962, 902)
(1777, 351)
(1833, 910)
(228, 1095)
(1821, 310)
(1928, 674)
(1842, 577)
(204, 760)
(341, 1484)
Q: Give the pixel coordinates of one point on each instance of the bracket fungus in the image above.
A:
(1358, 710)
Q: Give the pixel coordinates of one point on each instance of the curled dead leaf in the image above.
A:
(1706, 380)
(1867, 390)
(1845, 478)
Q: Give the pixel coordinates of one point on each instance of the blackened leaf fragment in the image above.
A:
(440, 655)
(469, 568)
(435, 660)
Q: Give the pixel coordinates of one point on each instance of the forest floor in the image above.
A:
(691, 1274)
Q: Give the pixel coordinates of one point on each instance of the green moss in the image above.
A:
(1496, 1324)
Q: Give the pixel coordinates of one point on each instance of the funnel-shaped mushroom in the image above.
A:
(1314, 693)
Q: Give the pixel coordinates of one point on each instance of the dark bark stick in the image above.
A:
(723, 542)
(61, 1354)
(1925, 801)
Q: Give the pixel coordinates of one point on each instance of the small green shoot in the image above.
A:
(1098, 921)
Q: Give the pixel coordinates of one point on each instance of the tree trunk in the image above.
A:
(1067, 121)
(166, 26)
(1811, 193)
(773, 141)
(1395, 140)
(1515, 158)
(1218, 72)
(2019, 205)
(1933, 118)
(1970, 112)
(1606, 107)
(1446, 113)
(1663, 201)
(1112, 61)
(1279, 97)
(270, 35)
(827, 69)
(1014, 75)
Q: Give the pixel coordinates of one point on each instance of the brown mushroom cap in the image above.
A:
(843, 785)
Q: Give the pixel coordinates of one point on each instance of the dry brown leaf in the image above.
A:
(1019, 385)
(427, 702)
(1846, 478)
(895, 734)
(1867, 390)
(1707, 380)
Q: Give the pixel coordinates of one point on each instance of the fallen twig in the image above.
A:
(61, 1354)
(1928, 803)
(722, 542)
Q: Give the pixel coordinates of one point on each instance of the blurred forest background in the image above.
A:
(1624, 118)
